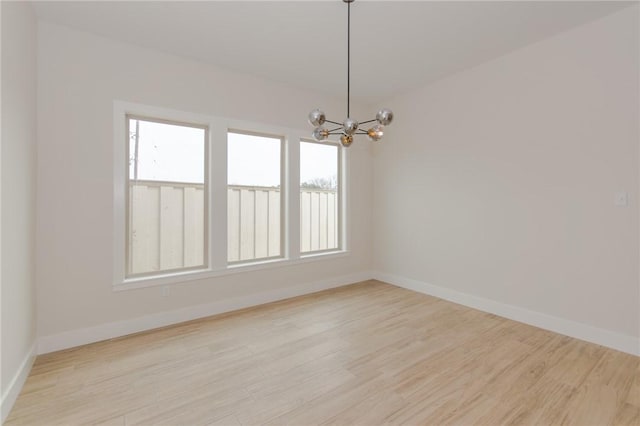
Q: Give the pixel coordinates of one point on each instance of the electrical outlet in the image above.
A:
(165, 291)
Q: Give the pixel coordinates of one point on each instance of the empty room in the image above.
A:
(320, 212)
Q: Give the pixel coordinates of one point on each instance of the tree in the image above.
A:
(321, 183)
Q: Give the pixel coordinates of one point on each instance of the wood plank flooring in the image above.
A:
(366, 354)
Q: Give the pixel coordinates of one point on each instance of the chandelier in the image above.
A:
(349, 126)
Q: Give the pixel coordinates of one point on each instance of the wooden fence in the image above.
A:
(168, 230)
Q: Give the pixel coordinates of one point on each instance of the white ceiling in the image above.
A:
(396, 45)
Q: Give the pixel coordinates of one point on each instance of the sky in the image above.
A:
(253, 160)
(175, 153)
(167, 152)
(318, 161)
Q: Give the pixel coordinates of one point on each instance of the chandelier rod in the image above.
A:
(348, 58)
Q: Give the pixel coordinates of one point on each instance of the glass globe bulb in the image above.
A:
(350, 126)
(346, 140)
(384, 116)
(320, 133)
(376, 132)
(317, 117)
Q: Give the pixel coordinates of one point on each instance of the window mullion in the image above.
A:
(292, 203)
(343, 199)
(218, 197)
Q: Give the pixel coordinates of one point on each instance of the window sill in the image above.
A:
(180, 277)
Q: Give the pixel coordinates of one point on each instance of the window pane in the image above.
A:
(254, 202)
(166, 152)
(319, 220)
(167, 197)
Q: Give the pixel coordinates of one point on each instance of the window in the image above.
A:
(167, 193)
(197, 196)
(319, 197)
(254, 201)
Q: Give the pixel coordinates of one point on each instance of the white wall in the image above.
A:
(499, 182)
(79, 76)
(18, 195)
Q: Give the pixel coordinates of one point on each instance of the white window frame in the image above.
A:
(128, 212)
(340, 197)
(216, 204)
(283, 189)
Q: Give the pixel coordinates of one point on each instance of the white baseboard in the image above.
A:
(610, 339)
(17, 382)
(73, 338)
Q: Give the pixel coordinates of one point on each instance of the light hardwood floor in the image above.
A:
(365, 354)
